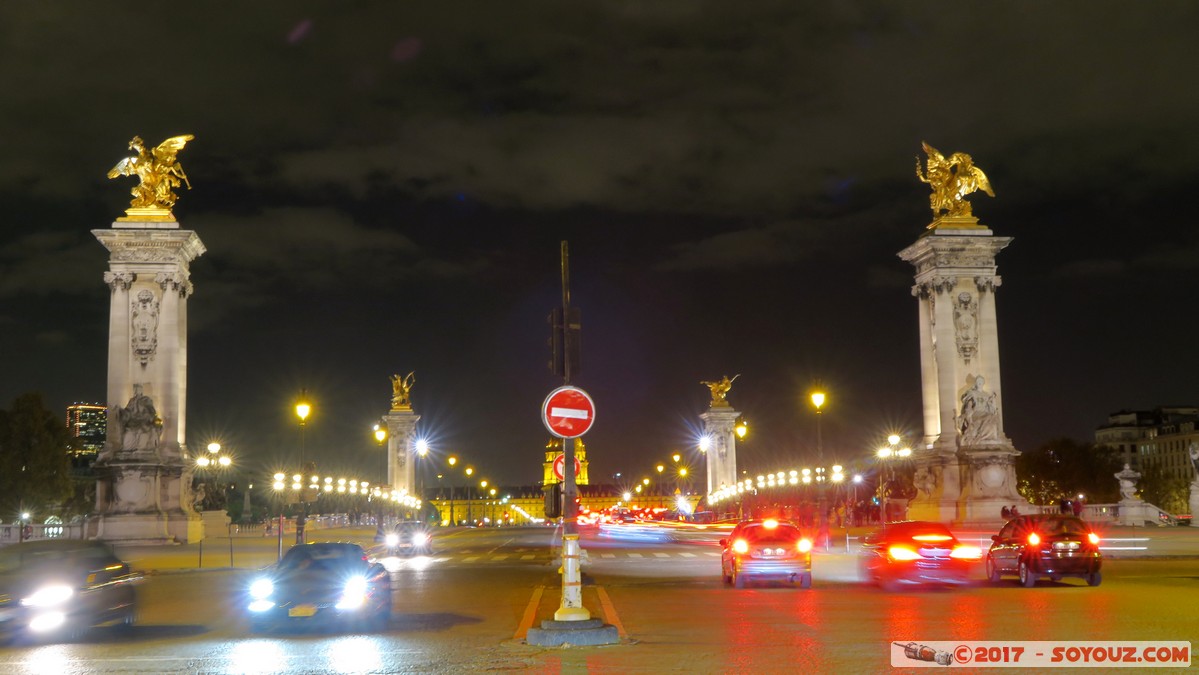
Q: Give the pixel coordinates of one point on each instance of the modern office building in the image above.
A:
(88, 422)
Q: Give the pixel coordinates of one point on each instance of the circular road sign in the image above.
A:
(568, 412)
(560, 466)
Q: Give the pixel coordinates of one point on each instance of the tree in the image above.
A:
(35, 471)
(1064, 468)
(1167, 492)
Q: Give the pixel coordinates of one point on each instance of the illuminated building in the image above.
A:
(89, 423)
(554, 448)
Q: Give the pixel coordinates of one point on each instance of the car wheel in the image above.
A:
(992, 571)
(1094, 578)
(805, 580)
(1028, 578)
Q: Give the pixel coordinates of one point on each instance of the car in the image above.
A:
(1050, 545)
(409, 537)
(916, 553)
(58, 588)
(328, 584)
(766, 549)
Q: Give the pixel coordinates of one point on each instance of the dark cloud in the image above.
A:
(384, 187)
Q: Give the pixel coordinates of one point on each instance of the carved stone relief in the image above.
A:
(965, 325)
(144, 320)
(119, 280)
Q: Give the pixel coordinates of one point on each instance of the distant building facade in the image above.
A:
(1153, 438)
(89, 423)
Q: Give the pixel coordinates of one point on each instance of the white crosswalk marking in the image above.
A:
(527, 556)
(470, 559)
(712, 553)
(607, 555)
(636, 555)
(687, 555)
(499, 557)
(661, 555)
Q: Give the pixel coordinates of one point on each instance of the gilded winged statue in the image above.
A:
(401, 391)
(720, 389)
(951, 180)
(158, 172)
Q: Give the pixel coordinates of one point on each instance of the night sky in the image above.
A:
(383, 187)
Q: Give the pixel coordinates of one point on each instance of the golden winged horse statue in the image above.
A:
(158, 172)
(951, 179)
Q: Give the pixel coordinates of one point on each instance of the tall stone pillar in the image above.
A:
(965, 471)
(143, 491)
(719, 425)
(401, 450)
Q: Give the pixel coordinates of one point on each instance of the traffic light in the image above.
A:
(553, 501)
(565, 341)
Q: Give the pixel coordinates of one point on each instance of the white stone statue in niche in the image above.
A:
(144, 319)
(979, 418)
(139, 423)
(965, 322)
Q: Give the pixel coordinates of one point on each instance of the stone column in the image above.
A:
(401, 449)
(965, 472)
(722, 455)
(143, 492)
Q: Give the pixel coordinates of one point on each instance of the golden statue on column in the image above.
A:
(158, 172)
(951, 179)
(720, 389)
(401, 391)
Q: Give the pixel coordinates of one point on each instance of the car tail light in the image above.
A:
(741, 546)
(770, 523)
(932, 537)
(1034, 539)
(1093, 538)
(804, 545)
(966, 552)
(902, 553)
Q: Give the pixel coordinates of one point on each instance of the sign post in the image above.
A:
(569, 412)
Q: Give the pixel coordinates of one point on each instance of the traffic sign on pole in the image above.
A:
(560, 466)
(568, 412)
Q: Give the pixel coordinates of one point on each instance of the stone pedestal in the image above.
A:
(143, 472)
(719, 424)
(401, 449)
(965, 470)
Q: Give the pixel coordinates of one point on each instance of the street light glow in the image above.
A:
(214, 447)
(422, 447)
(818, 399)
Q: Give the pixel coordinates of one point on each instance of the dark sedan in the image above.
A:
(916, 553)
(60, 588)
(326, 584)
(1053, 546)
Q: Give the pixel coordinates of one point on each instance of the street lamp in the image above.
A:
(887, 454)
(818, 397)
(380, 433)
(422, 451)
(741, 427)
(303, 410)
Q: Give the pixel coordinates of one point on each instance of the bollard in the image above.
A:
(572, 583)
(200, 563)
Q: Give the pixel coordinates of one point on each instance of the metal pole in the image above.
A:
(571, 608)
(230, 528)
(280, 533)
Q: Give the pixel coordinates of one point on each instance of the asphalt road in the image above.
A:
(462, 610)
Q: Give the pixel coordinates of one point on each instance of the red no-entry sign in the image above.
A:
(568, 412)
(560, 467)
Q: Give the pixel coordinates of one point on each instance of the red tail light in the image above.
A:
(804, 545)
(902, 553)
(1034, 539)
(1093, 538)
(966, 552)
(741, 546)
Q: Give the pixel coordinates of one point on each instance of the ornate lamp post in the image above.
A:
(422, 451)
(818, 398)
(887, 454)
(303, 410)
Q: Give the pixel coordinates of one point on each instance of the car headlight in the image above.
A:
(48, 596)
(261, 589)
(354, 594)
(420, 539)
(392, 540)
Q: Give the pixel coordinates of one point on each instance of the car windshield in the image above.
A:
(41, 554)
(318, 557)
(761, 533)
(1070, 526)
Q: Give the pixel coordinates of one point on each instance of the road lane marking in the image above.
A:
(635, 555)
(609, 611)
(607, 555)
(470, 559)
(526, 621)
(499, 558)
(687, 555)
(714, 554)
(527, 556)
(661, 555)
